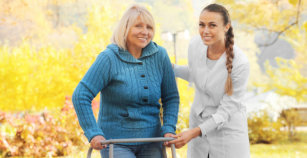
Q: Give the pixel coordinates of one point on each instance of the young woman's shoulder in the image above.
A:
(196, 47)
(239, 56)
(196, 42)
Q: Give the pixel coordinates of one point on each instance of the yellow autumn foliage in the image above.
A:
(286, 80)
(33, 78)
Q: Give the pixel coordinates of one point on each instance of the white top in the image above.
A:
(210, 63)
(210, 100)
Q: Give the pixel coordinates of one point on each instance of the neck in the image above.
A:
(215, 51)
(135, 52)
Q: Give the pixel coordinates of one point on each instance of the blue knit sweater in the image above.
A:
(130, 92)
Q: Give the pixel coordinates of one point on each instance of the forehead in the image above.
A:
(207, 17)
(143, 19)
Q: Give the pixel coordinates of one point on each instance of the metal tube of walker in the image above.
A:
(134, 140)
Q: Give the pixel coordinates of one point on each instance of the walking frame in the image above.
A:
(111, 143)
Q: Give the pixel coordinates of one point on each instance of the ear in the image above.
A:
(226, 28)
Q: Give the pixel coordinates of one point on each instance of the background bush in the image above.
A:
(42, 134)
(263, 129)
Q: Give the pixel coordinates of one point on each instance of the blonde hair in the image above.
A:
(127, 21)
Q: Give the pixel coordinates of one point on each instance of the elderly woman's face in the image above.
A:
(139, 35)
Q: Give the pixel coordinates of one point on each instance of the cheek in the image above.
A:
(219, 33)
(201, 31)
(150, 34)
(222, 35)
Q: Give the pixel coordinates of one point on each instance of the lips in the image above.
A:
(144, 39)
(207, 38)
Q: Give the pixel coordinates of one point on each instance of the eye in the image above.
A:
(138, 25)
(149, 27)
(212, 25)
(201, 25)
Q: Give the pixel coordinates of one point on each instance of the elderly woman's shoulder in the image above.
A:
(161, 50)
(109, 52)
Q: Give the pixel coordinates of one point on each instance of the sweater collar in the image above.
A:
(124, 55)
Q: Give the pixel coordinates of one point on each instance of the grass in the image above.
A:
(282, 149)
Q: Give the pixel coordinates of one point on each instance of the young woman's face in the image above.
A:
(139, 35)
(211, 28)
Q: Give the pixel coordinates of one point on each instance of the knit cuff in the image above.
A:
(91, 133)
(167, 129)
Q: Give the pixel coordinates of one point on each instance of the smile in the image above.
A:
(207, 37)
(142, 38)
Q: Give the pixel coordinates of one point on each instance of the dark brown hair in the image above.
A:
(229, 42)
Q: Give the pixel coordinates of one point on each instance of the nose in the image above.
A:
(206, 30)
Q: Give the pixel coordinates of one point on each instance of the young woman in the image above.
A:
(132, 74)
(219, 71)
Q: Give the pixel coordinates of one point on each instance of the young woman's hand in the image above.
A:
(168, 135)
(184, 137)
(95, 142)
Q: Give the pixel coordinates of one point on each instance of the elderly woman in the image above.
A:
(132, 74)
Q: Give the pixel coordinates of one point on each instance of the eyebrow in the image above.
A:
(211, 22)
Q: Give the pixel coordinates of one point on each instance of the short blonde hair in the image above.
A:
(126, 22)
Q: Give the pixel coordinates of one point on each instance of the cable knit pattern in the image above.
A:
(130, 92)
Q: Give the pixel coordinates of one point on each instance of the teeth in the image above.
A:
(143, 39)
(207, 38)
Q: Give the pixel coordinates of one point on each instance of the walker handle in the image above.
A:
(134, 140)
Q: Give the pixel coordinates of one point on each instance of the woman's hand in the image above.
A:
(184, 137)
(95, 142)
(168, 135)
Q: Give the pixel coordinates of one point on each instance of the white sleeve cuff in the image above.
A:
(207, 126)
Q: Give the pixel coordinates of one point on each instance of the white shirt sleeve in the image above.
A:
(182, 72)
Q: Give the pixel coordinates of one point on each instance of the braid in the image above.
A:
(230, 55)
(229, 42)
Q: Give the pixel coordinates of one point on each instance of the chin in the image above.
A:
(206, 43)
(144, 45)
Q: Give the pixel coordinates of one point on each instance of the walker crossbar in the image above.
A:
(134, 140)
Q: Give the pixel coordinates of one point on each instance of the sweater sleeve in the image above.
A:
(96, 78)
(169, 98)
(229, 104)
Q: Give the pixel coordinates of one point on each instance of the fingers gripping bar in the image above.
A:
(134, 140)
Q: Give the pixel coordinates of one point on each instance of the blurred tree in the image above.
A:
(22, 20)
(290, 119)
(286, 18)
(173, 15)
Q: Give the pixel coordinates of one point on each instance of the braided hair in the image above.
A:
(229, 42)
